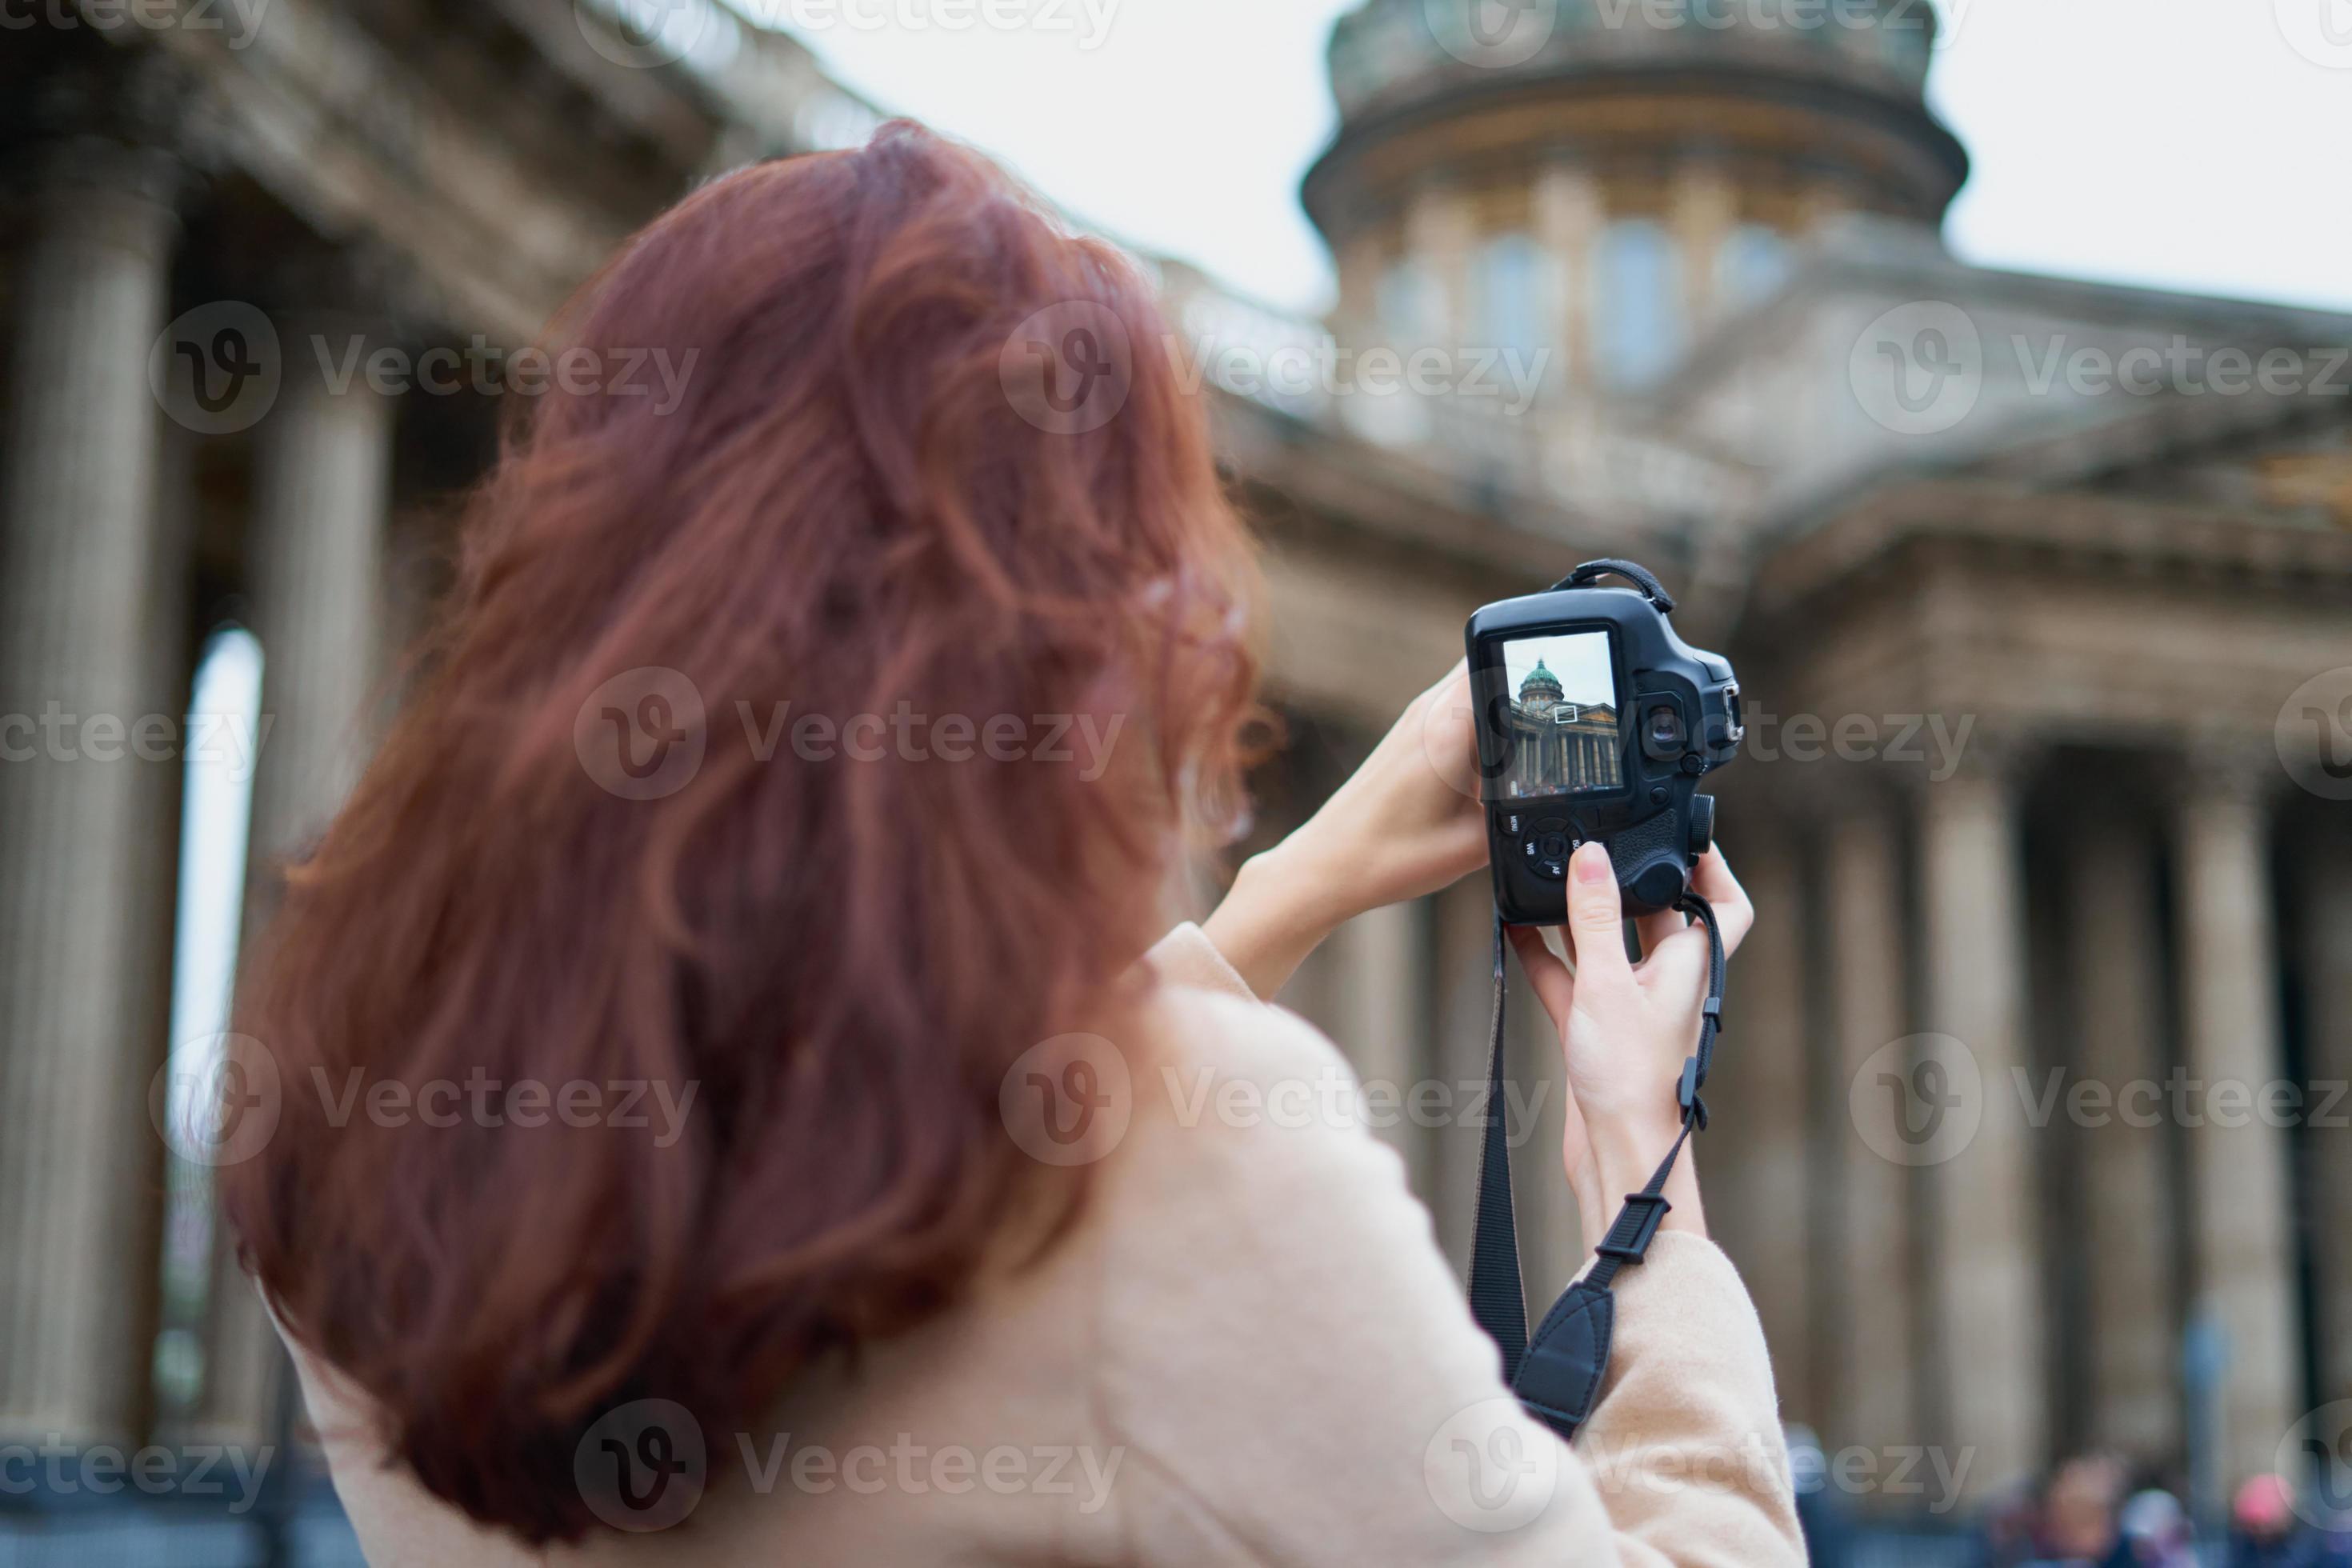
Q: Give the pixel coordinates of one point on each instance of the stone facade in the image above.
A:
(2041, 593)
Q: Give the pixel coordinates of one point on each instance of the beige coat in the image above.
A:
(1250, 1350)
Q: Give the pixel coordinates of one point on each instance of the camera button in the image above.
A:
(1555, 869)
(1514, 823)
(1555, 847)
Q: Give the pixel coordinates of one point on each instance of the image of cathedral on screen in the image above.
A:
(1562, 745)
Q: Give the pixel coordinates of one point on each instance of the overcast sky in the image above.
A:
(2192, 144)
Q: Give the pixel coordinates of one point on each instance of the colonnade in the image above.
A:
(94, 568)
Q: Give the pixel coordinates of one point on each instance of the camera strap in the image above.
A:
(1558, 1377)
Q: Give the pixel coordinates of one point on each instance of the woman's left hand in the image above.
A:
(1406, 824)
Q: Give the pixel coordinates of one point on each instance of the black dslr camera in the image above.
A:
(1596, 720)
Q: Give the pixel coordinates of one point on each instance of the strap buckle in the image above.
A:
(1629, 1240)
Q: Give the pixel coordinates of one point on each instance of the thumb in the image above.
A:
(1596, 920)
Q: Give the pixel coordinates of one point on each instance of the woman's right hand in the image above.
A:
(1626, 1029)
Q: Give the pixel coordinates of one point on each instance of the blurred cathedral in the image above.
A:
(2049, 674)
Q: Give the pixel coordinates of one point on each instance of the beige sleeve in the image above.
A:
(1186, 956)
(1294, 1374)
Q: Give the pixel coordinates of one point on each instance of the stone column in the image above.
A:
(1875, 1404)
(1441, 231)
(1985, 1313)
(1705, 207)
(2240, 1226)
(77, 535)
(2326, 919)
(1552, 1234)
(315, 560)
(1464, 989)
(1379, 1007)
(1752, 1162)
(1568, 216)
(2113, 959)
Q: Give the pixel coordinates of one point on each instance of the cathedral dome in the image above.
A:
(1391, 51)
(1603, 180)
(1541, 688)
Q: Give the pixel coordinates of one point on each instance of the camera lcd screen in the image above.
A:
(1561, 711)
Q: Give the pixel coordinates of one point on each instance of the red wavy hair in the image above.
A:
(863, 498)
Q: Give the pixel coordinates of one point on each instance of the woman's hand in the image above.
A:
(1407, 823)
(1627, 1029)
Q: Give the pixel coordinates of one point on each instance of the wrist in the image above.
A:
(1622, 1164)
(1277, 913)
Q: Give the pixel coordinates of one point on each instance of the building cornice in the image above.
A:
(2289, 556)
